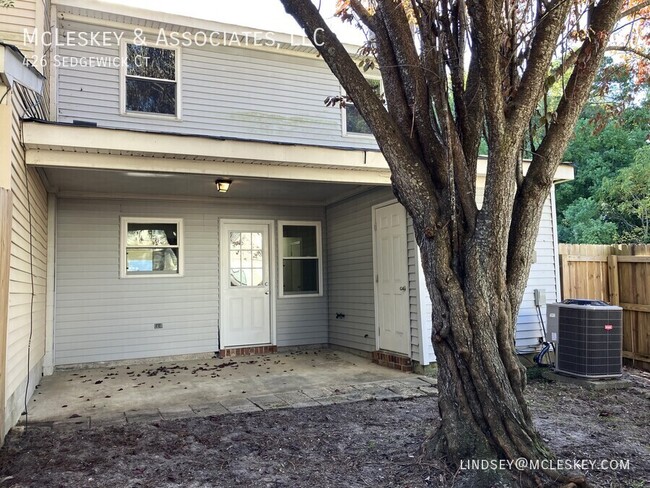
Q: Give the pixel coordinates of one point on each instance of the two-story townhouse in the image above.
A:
(201, 197)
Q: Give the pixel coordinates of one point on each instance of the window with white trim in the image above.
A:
(353, 122)
(300, 256)
(151, 80)
(151, 247)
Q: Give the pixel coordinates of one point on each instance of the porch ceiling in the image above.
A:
(69, 182)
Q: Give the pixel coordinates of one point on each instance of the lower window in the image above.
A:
(151, 247)
(300, 251)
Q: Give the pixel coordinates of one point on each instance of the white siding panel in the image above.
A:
(15, 20)
(542, 276)
(414, 312)
(27, 273)
(226, 92)
(100, 317)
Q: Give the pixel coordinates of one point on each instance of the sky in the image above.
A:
(259, 14)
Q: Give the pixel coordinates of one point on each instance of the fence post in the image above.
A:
(612, 268)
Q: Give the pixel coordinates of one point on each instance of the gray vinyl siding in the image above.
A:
(100, 317)
(350, 270)
(225, 92)
(351, 287)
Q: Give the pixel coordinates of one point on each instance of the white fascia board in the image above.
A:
(13, 69)
(83, 160)
(564, 172)
(118, 141)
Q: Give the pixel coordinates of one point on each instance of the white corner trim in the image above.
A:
(556, 247)
(50, 300)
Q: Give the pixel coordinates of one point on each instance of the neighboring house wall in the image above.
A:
(17, 26)
(542, 276)
(226, 92)
(100, 317)
(14, 22)
(28, 267)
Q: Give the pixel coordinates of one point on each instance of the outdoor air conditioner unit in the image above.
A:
(588, 336)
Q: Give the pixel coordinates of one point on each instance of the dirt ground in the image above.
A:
(347, 445)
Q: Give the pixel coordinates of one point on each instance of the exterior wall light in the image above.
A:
(222, 185)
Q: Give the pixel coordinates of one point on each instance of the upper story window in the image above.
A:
(353, 123)
(151, 81)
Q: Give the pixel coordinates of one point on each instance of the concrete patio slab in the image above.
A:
(297, 399)
(150, 391)
(268, 402)
(177, 412)
(210, 410)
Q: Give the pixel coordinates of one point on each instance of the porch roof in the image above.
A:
(59, 145)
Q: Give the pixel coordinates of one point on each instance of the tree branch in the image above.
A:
(541, 54)
(418, 192)
(414, 83)
(630, 49)
(634, 9)
(366, 17)
(530, 197)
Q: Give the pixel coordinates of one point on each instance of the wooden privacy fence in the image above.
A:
(620, 275)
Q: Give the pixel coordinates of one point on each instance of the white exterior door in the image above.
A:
(245, 291)
(391, 279)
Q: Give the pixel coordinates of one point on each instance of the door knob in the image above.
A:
(402, 288)
(266, 292)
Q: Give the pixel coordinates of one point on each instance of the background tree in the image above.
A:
(454, 71)
(608, 135)
(626, 199)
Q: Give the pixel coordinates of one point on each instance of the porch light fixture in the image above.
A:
(222, 185)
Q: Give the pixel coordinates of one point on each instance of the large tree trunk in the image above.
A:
(483, 414)
(476, 262)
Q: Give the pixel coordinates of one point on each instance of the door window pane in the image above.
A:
(246, 259)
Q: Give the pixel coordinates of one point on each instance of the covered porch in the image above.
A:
(285, 258)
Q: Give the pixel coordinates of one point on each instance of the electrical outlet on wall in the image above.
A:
(158, 325)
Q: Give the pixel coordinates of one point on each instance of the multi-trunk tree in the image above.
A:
(454, 72)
